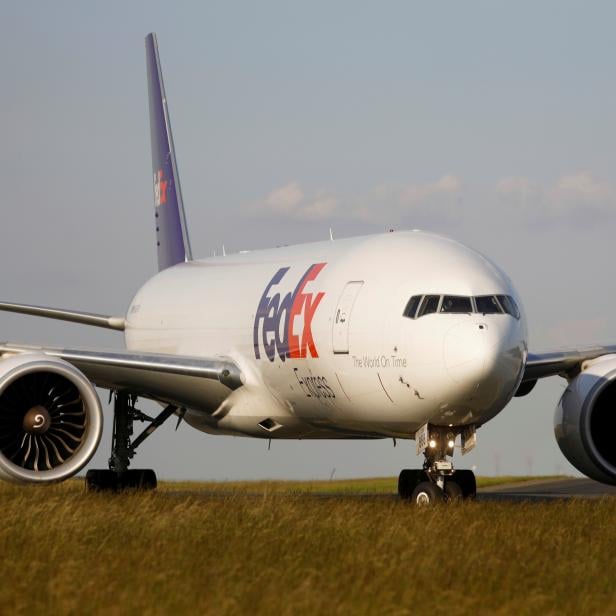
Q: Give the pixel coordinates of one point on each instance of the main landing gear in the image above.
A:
(437, 481)
(119, 476)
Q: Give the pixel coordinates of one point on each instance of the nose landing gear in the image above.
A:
(437, 482)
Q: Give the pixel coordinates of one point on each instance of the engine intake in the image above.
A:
(585, 420)
(51, 419)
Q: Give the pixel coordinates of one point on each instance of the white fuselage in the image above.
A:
(334, 356)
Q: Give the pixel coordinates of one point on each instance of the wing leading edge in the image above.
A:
(85, 318)
(194, 382)
(564, 363)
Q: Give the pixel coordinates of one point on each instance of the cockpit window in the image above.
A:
(509, 305)
(421, 305)
(411, 307)
(487, 304)
(429, 305)
(456, 304)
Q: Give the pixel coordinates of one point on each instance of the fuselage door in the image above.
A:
(342, 317)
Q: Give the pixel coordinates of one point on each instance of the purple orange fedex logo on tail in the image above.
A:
(276, 318)
(160, 189)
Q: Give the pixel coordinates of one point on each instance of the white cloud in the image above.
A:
(392, 205)
(417, 194)
(520, 192)
(321, 207)
(291, 201)
(387, 204)
(285, 199)
(575, 191)
(582, 189)
(515, 186)
(441, 202)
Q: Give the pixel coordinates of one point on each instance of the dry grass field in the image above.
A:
(290, 548)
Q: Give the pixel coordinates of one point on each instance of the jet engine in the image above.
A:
(51, 419)
(585, 420)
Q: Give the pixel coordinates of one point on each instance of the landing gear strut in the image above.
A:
(437, 481)
(119, 476)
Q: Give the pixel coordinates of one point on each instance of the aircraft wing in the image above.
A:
(565, 363)
(195, 382)
(84, 318)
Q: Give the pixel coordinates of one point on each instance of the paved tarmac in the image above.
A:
(548, 489)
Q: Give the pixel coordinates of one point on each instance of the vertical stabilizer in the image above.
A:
(171, 231)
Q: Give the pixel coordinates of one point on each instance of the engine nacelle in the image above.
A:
(585, 420)
(51, 419)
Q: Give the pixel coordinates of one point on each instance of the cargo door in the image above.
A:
(342, 317)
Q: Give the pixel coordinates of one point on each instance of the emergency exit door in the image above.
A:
(342, 317)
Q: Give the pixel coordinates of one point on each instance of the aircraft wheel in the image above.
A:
(427, 493)
(453, 492)
(408, 480)
(139, 479)
(466, 480)
(99, 480)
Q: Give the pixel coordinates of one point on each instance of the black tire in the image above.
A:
(466, 480)
(100, 480)
(453, 492)
(408, 480)
(138, 479)
(427, 494)
(105, 480)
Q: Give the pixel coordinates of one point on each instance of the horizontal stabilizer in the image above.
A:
(85, 318)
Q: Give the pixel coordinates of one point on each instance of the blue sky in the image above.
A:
(492, 122)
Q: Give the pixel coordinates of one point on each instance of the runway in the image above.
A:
(547, 489)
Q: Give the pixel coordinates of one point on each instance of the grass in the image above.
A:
(371, 485)
(220, 550)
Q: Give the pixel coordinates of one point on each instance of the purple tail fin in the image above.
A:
(171, 232)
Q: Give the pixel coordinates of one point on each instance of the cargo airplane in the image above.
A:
(405, 335)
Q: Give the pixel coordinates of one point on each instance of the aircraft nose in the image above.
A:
(465, 351)
(476, 350)
(483, 356)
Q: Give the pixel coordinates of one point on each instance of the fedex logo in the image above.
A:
(160, 189)
(276, 327)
